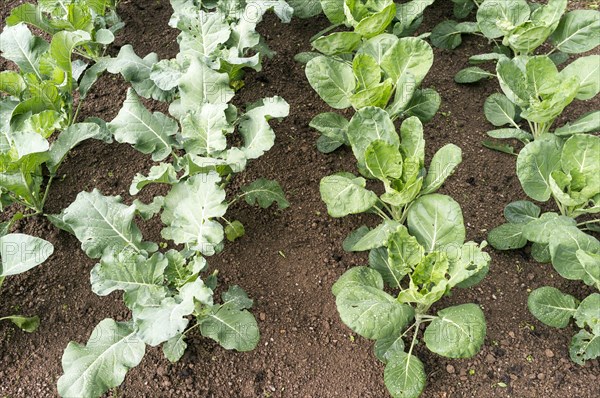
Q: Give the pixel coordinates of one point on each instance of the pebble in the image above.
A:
(541, 376)
(450, 369)
(262, 316)
(549, 353)
(489, 358)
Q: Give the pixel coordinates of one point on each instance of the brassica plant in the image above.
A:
(418, 251)
(535, 91)
(523, 27)
(568, 171)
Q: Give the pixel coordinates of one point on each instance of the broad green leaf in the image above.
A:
(409, 54)
(424, 104)
(472, 74)
(511, 133)
(30, 14)
(202, 33)
(236, 297)
(20, 253)
(541, 253)
(370, 124)
(521, 212)
(354, 237)
(254, 126)
(234, 231)
(190, 210)
(457, 332)
(132, 273)
(587, 69)
(305, 9)
(333, 128)
(413, 143)
(500, 111)
(378, 46)
(204, 131)
(356, 277)
(584, 346)
(388, 347)
(378, 95)
(377, 237)
(17, 44)
(175, 348)
(371, 312)
(377, 23)
(578, 32)
(442, 166)
(496, 18)
(62, 46)
(405, 376)
(445, 35)
(26, 324)
(588, 314)
(92, 370)
(587, 123)
(28, 143)
(507, 237)
(383, 160)
(200, 84)
(231, 328)
(346, 195)
(535, 164)
(436, 221)
(468, 267)
(334, 10)
(406, 87)
(337, 43)
(163, 173)
(581, 153)
(512, 79)
(160, 321)
(70, 138)
(564, 245)
(148, 133)
(542, 229)
(264, 193)
(552, 307)
(404, 253)
(103, 224)
(366, 70)
(590, 262)
(12, 83)
(333, 80)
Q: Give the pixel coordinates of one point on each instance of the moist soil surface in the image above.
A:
(289, 259)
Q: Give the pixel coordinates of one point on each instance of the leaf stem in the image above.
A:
(588, 222)
(325, 31)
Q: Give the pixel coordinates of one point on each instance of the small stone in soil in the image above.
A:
(450, 369)
(549, 353)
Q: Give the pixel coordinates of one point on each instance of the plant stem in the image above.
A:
(588, 222)
(2, 280)
(414, 339)
(191, 328)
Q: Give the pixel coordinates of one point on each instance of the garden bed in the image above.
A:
(289, 259)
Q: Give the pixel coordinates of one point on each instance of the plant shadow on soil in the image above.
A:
(288, 260)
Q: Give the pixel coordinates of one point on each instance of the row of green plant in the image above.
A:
(38, 113)
(558, 163)
(417, 254)
(169, 292)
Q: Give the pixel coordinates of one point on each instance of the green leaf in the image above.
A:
(409, 54)
(231, 328)
(20, 253)
(404, 253)
(405, 376)
(541, 253)
(587, 123)
(17, 44)
(200, 84)
(254, 126)
(234, 231)
(201, 33)
(12, 83)
(334, 81)
(70, 138)
(445, 35)
(564, 245)
(356, 277)
(163, 173)
(366, 70)
(305, 9)
(92, 370)
(333, 128)
(442, 166)
(578, 32)
(521, 212)
(204, 130)
(424, 104)
(103, 224)
(236, 298)
(542, 229)
(388, 347)
(175, 348)
(26, 324)
(500, 111)
(346, 194)
(472, 74)
(535, 164)
(584, 346)
(378, 46)
(436, 221)
(62, 46)
(507, 237)
(469, 267)
(264, 193)
(377, 237)
(190, 210)
(148, 133)
(580, 153)
(457, 332)
(587, 314)
(494, 17)
(371, 312)
(337, 43)
(587, 69)
(500, 147)
(511, 133)
(370, 124)
(590, 262)
(377, 23)
(552, 307)
(383, 160)
(334, 10)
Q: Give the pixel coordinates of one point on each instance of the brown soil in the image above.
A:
(305, 350)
